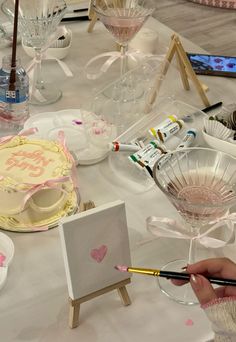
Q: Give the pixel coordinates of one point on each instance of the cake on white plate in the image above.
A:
(37, 186)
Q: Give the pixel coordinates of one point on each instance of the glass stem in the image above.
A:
(124, 57)
(38, 81)
(192, 247)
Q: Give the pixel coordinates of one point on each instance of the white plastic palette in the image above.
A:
(79, 138)
(7, 249)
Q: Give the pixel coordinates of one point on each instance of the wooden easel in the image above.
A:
(75, 303)
(186, 73)
(92, 16)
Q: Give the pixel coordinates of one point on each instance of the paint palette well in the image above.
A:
(85, 133)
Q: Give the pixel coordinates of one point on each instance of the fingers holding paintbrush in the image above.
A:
(201, 275)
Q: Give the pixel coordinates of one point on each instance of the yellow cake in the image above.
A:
(36, 184)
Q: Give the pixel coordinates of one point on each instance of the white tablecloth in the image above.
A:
(34, 302)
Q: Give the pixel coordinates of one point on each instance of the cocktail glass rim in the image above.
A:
(227, 204)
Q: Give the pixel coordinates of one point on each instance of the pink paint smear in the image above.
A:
(189, 322)
(2, 259)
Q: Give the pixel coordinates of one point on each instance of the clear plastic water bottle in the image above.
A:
(14, 96)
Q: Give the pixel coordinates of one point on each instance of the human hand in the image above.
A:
(216, 267)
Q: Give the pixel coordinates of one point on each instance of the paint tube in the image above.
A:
(149, 157)
(147, 162)
(188, 139)
(172, 129)
(170, 119)
(115, 146)
(144, 151)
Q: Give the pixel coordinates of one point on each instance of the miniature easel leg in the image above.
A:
(92, 22)
(157, 84)
(123, 293)
(74, 314)
(183, 74)
(75, 303)
(190, 71)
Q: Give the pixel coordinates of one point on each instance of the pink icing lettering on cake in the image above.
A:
(19, 160)
(36, 156)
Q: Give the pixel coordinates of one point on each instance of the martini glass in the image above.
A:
(38, 19)
(123, 19)
(201, 184)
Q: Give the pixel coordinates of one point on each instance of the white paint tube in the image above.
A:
(172, 129)
(170, 119)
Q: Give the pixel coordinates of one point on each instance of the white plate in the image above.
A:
(219, 144)
(85, 153)
(6, 248)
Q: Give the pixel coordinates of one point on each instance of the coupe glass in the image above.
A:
(38, 19)
(201, 184)
(123, 18)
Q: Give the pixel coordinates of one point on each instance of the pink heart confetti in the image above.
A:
(2, 258)
(189, 322)
(99, 253)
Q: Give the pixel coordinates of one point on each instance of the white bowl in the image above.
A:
(56, 52)
(219, 144)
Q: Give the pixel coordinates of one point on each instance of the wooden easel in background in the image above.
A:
(75, 303)
(186, 73)
(92, 16)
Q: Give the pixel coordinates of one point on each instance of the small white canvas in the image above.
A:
(93, 242)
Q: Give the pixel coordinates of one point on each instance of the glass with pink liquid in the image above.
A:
(201, 184)
(123, 19)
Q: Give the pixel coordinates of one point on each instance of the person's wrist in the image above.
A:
(218, 301)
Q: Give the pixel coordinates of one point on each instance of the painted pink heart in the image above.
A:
(99, 253)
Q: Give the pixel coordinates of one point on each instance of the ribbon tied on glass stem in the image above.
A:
(170, 228)
(31, 68)
(112, 56)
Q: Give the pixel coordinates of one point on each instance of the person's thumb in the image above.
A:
(202, 289)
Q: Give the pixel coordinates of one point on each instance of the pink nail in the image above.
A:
(197, 280)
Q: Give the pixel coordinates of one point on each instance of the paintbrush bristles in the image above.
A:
(121, 268)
